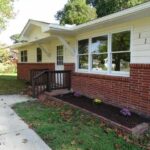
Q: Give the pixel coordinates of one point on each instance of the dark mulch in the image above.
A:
(105, 110)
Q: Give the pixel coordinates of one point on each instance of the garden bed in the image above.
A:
(105, 110)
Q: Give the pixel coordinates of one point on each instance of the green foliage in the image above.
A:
(8, 68)
(6, 65)
(106, 7)
(6, 12)
(15, 38)
(76, 12)
(4, 56)
(65, 128)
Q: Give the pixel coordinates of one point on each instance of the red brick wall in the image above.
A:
(69, 66)
(23, 69)
(132, 92)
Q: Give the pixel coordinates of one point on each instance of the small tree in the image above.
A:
(4, 54)
(15, 38)
(76, 12)
(6, 12)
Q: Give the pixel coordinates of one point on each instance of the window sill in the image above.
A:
(104, 75)
(113, 73)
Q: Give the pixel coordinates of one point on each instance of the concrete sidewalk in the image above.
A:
(14, 132)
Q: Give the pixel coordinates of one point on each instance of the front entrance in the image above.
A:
(59, 65)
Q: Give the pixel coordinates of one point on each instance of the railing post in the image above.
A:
(31, 76)
(33, 88)
(48, 81)
(69, 80)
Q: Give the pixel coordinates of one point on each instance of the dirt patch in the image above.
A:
(105, 110)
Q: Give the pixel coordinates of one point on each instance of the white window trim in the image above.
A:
(23, 56)
(109, 71)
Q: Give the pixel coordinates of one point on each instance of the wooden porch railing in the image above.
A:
(50, 80)
(35, 72)
(39, 83)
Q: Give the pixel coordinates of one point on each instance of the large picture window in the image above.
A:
(108, 53)
(24, 57)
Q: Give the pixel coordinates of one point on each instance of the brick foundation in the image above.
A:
(23, 69)
(132, 92)
(69, 66)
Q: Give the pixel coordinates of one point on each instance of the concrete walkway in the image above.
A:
(14, 132)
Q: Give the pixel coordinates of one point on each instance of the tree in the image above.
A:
(106, 7)
(15, 38)
(6, 12)
(4, 55)
(76, 12)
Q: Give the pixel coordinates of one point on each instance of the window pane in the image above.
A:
(25, 59)
(24, 56)
(83, 62)
(99, 62)
(39, 55)
(83, 46)
(121, 41)
(59, 50)
(60, 55)
(121, 62)
(99, 44)
(59, 60)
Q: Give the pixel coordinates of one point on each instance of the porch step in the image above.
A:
(57, 92)
(48, 95)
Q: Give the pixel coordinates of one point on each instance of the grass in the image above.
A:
(9, 84)
(65, 128)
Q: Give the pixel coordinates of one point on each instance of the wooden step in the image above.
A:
(57, 92)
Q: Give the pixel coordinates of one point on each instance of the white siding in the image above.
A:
(141, 42)
(50, 47)
(140, 37)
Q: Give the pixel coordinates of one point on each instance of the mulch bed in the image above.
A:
(105, 110)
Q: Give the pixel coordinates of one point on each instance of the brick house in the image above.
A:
(109, 56)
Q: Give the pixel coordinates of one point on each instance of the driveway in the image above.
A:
(15, 134)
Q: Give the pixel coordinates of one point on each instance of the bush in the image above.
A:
(8, 68)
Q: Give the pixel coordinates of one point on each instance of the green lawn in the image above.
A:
(10, 85)
(66, 128)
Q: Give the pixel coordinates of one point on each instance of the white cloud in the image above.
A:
(43, 10)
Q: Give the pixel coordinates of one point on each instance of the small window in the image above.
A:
(121, 51)
(99, 53)
(60, 57)
(24, 57)
(39, 55)
(83, 54)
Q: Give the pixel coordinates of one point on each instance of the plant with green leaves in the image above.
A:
(76, 12)
(6, 12)
(106, 7)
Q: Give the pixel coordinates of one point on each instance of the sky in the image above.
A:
(43, 10)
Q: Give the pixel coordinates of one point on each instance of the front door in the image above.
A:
(59, 65)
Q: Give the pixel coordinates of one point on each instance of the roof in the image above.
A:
(35, 22)
(132, 13)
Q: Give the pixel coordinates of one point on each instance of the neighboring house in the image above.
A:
(110, 56)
